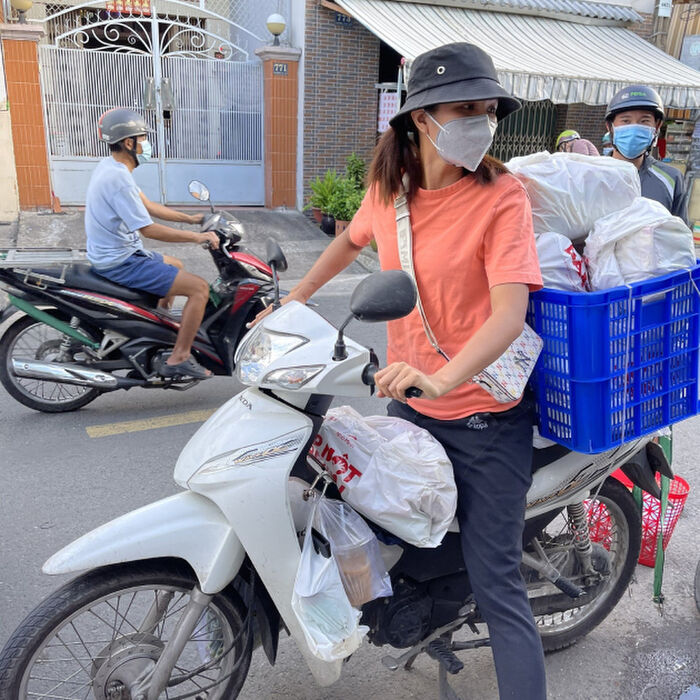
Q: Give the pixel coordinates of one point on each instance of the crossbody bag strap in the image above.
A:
(405, 245)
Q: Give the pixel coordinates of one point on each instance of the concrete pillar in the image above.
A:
(9, 198)
(21, 55)
(281, 88)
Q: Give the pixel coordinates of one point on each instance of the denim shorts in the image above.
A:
(143, 271)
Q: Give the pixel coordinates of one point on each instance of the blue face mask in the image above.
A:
(631, 140)
(147, 152)
(607, 151)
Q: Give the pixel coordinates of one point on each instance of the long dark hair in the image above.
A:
(397, 153)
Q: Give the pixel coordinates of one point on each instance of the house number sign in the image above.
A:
(280, 68)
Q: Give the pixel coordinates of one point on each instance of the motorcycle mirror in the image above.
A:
(276, 260)
(384, 296)
(199, 190)
(275, 256)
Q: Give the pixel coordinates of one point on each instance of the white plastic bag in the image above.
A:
(356, 552)
(331, 625)
(391, 471)
(642, 241)
(569, 191)
(560, 264)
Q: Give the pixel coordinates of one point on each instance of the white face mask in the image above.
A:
(146, 152)
(464, 142)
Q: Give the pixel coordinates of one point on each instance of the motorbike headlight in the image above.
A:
(260, 350)
(292, 377)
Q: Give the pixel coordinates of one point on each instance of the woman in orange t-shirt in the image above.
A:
(475, 263)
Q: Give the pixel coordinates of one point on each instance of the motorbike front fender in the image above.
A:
(186, 526)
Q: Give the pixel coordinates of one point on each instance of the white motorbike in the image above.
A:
(178, 593)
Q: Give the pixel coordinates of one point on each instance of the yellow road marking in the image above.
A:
(134, 426)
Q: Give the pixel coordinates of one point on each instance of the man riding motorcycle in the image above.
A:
(634, 116)
(117, 213)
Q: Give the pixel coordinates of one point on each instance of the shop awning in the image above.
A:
(537, 58)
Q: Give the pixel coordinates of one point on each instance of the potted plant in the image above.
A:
(321, 190)
(345, 201)
(356, 170)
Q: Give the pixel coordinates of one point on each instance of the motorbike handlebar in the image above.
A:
(413, 392)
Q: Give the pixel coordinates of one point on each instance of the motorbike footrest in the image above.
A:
(440, 650)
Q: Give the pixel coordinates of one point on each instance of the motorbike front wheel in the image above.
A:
(622, 537)
(31, 339)
(102, 632)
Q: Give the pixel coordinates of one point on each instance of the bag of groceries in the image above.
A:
(570, 191)
(330, 623)
(390, 470)
(641, 241)
(560, 264)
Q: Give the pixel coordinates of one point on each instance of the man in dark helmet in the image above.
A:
(634, 116)
(117, 213)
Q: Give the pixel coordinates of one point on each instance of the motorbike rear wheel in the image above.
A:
(98, 634)
(32, 339)
(623, 542)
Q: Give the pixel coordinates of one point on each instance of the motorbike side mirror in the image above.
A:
(276, 260)
(384, 296)
(199, 190)
(274, 256)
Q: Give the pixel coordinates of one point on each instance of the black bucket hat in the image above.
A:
(457, 72)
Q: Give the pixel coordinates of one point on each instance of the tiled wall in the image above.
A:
(281, 97)
(341, 68)
(24, 96)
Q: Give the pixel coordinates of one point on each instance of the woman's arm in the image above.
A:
(334, 259)
(508, 309)
(168, 214)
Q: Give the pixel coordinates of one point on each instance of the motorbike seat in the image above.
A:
(543, 456)
(85, 277)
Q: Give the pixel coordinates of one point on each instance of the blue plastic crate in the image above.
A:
(616, 364)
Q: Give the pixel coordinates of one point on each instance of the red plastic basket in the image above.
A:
(599, 521)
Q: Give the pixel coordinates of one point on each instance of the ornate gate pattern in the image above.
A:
(189, 69)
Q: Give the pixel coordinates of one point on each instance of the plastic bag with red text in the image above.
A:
(390, 470)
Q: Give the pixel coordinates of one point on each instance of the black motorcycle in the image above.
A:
(79, 334)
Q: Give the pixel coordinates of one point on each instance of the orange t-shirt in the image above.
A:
(467, 238)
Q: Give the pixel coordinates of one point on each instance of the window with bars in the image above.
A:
(529, 130)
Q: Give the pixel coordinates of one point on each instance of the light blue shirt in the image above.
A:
(114, 213)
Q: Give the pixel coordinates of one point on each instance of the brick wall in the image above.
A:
(24, 96)
(588, 120)
(341, 65)
(644, 29)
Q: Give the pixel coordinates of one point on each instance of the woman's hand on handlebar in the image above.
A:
(292, 296)
(393, 380)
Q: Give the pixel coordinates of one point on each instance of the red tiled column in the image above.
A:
(19, 43)
(281, 90)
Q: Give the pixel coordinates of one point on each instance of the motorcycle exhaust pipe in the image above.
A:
(64, 374)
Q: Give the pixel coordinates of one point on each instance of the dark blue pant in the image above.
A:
(491, 454)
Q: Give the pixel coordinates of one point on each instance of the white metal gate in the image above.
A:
(178, 63)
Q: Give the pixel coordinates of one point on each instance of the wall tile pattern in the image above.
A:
(24, 96)
(281, 99)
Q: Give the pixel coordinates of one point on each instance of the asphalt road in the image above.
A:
(58, 483)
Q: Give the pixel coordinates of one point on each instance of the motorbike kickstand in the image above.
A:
(446, 690)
